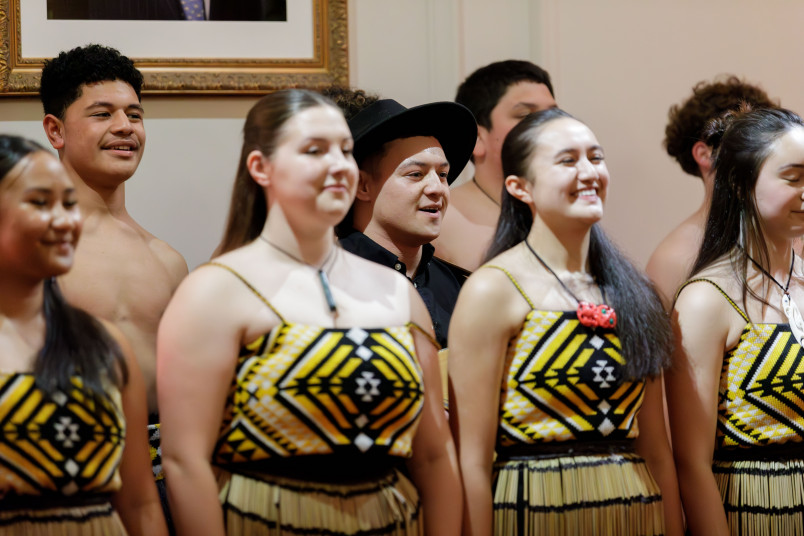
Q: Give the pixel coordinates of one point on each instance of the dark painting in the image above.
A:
(231, 10)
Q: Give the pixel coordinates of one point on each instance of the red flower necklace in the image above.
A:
(589, 314)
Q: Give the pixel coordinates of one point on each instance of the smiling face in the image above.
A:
(39, 218)
(407, 184)
(101, 137)
(567, 173)
(312, 172)
(779, 191)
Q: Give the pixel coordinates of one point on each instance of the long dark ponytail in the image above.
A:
(75, 343)
(643, 325)
(742, 142)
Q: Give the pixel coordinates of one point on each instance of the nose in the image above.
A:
(586, 171)
(340, 162)
(121, 122)
(63, 218)
(434, 184)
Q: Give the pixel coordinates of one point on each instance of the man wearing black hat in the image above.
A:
(407, 158)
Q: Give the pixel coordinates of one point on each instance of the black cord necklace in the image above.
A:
(589, 314)
(485, 192)
(789, 307)
(322, 275)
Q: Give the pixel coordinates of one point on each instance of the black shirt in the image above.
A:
(436, 283)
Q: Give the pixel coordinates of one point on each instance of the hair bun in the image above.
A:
(715, 128)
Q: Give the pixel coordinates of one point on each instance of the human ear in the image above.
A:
(259, 168)
(702, 154)
(54, 129)
(519, 188)
(363, 186)
(480, 145)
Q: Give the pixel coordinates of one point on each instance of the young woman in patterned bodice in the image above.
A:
(557, 343)
(295, 379)
(735, 388)
(73, 448)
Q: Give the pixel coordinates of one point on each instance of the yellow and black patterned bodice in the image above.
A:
(761, 392)
(305, 390)
(65, 444)
(563, 381)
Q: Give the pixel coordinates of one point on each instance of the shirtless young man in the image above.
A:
(670, 263)
(94, 119)
(499, 95)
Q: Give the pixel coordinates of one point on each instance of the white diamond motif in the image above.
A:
(596, 341)
(364, 353)
(363, 442)
(606, 427)
(357, 335)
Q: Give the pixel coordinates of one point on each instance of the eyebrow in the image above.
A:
(411, 162)
(572, 149)
(102, 104)
(44, 190)
(791, 166)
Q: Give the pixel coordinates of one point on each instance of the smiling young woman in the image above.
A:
(74, 456)
(739, 356)
(557, 343)
(295, 378)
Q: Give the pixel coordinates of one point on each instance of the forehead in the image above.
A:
(421, 149)
(39, 170)
(316, 122)
(115, 92)
(531, 95)
(788, 148)
(565, 133)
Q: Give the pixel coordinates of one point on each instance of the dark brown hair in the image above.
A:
(687, 121)
(642, 323)
(262, 132)
(75, 343)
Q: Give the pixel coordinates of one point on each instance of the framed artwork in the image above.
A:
(283, 43)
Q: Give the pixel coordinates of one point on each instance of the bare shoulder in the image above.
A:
(671, 261)
(170, 258)
(706, 297)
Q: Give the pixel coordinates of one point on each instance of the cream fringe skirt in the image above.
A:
(278, 506)
(94, 520)
(595, 494)
(762, 497)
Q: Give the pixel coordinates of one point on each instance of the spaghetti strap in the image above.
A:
(723, 292)
(250, 287)
(514, 281)
(417, 327)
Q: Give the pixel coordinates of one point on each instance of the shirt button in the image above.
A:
(398, 266)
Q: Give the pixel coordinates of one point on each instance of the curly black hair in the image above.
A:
(686, 121)
(351, 101)
(63, 76)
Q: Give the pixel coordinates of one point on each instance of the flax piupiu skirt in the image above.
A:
(576, 494)
(762, 496)
(267, 505)
(81, 520)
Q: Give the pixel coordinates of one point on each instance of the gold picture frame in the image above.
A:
(326, 65)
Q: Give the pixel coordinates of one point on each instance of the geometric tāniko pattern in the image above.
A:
(761, 394)
(310, 390)
(59, 444)
(564, 381)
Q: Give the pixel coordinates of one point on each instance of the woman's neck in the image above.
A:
(780, 257)
(20, 298)
(565, 251)
(312, 247)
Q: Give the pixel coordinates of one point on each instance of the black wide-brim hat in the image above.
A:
(452, 124)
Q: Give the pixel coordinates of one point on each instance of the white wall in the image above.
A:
(618, 65)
